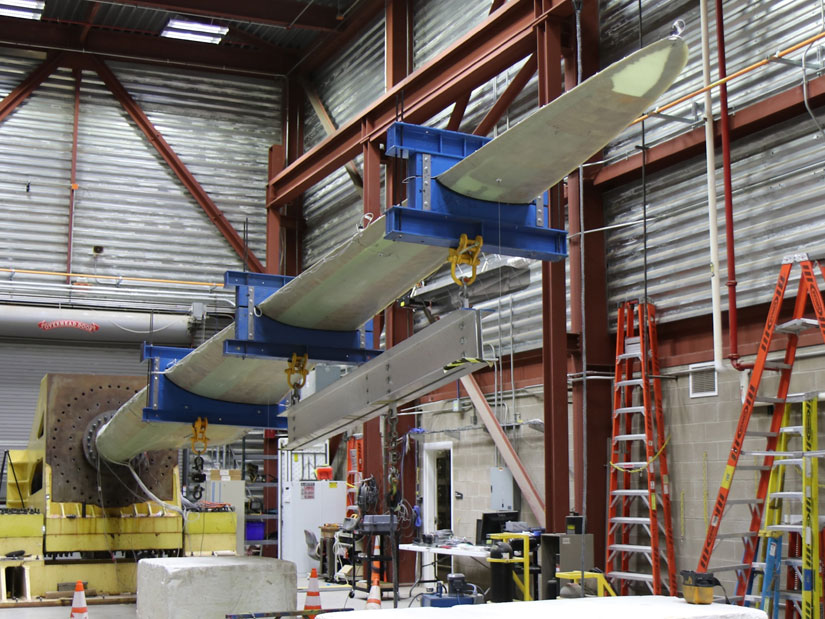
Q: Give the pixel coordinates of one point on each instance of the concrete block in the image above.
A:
(212, 587)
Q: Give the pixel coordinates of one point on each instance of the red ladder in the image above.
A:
(635, 521)
(808, 290)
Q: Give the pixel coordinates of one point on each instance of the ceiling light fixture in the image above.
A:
(24, 9)
(193, 31)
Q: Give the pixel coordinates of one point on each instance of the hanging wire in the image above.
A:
(644, 178)
(577, 6)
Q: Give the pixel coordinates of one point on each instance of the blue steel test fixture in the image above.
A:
(435, 215)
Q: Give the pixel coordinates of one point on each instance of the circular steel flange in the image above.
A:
(90, 436)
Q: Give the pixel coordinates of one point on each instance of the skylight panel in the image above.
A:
(189, 30)
(23, 9)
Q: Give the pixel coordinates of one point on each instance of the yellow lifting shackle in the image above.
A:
(199, 440)
(297, 366)
(467, 252)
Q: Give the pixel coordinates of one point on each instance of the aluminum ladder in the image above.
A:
(640, 530)
(773, 495)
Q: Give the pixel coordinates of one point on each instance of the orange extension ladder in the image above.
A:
(640, 529)
(744, 572)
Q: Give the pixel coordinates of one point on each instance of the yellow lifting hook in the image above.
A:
(298, 365)
(467, 252)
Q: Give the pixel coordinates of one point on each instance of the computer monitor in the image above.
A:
(492, 522)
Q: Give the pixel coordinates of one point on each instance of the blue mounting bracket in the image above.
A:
(435, 215)
(168, 402)
(259, 336)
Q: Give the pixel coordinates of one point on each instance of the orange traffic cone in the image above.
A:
(374, 598)
(79, 610)
(376, 551)
(313, 599)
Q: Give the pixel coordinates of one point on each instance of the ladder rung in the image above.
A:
(791, 430)
(630, 548)
(630, 382)
(629, 355)
(760, 434)
(787, 495)
(627, 410)
(630, 520)
(748, 598)
(793, 398)
(753, 467)
(630, 465)
(631, 576)
(758, 566)
(777, 365)
(753, 501)
(798, 325)
(735, 535)
(736, 567)
(630, 492)
(785, 528)
(793, 596)
(788, 461)
(792, 561)
(773, 454)
(629, 437)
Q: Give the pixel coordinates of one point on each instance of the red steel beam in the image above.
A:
(175, 164)
(505, 448)
(62, 37)
(90, 20)
(501, 40)
(22, 92)
(398, 43)
(509, 95)
(746, 121)
(289, 13)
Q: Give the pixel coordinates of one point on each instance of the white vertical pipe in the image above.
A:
(713, 229)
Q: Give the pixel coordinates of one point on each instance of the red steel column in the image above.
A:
(274, 248)
(554, 308)
(593, 325)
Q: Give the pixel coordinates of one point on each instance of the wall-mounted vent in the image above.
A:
(703, 380)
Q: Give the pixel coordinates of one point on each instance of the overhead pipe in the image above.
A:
(724, 119)
(710, 159)
(93, 326)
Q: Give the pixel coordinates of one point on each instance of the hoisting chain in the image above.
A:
(392, 459)
(467, 252)
(199, 444)
(296, 374)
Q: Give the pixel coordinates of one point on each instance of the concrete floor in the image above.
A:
(337, 597)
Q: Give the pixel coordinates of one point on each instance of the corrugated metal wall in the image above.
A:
(35, 165)
(128, 201)
(776, 173)
(23, 363)
(753, 31)
(347, 85)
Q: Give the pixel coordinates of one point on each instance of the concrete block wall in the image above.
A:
(702, 431)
